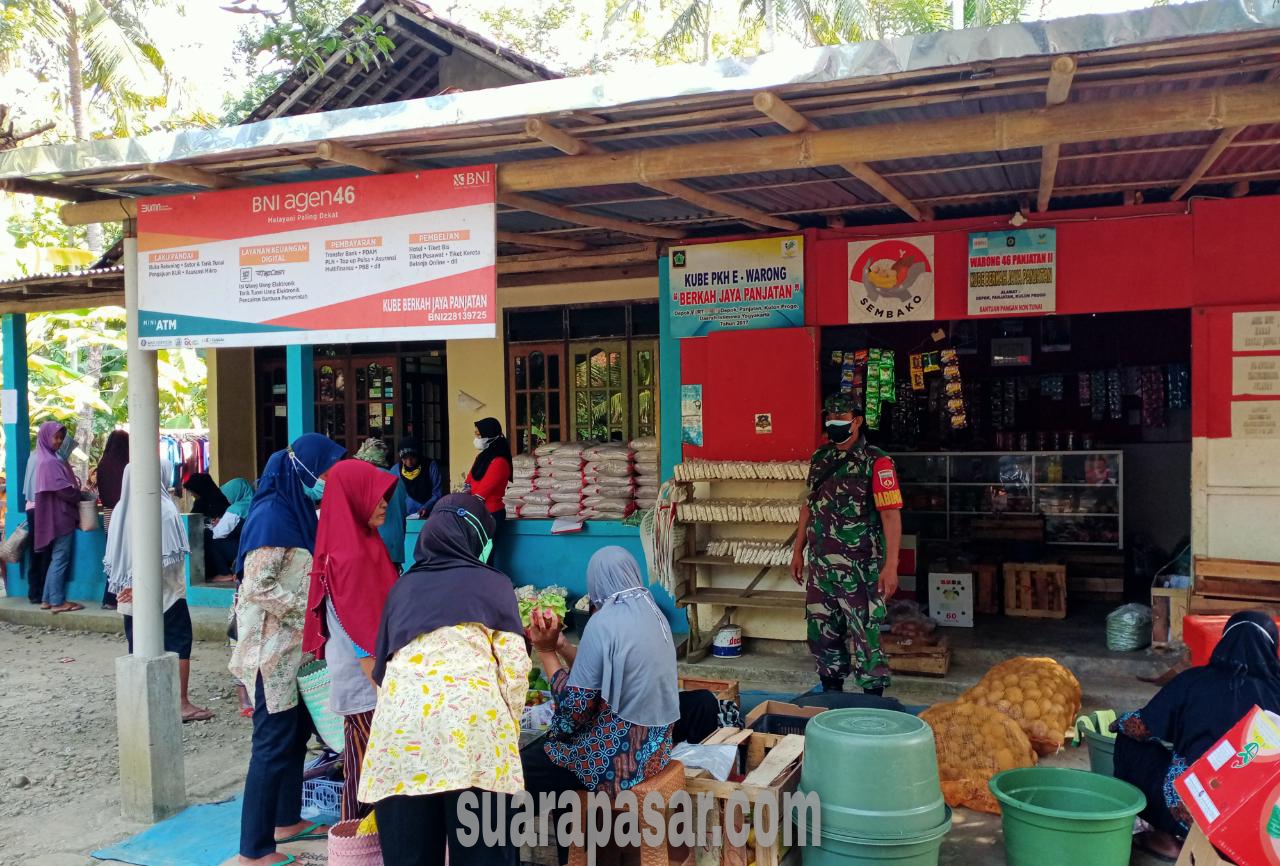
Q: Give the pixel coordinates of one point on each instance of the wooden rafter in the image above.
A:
(1224, 139)
(1055, 93)
(776, 109)
(191, 175)
(540, 241)
(568, 144)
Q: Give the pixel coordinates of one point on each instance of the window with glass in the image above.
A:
(582, 373)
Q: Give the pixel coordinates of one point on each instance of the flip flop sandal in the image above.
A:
(45, 606)
(308, 833)
(70, 608)
(202, 716)
(246, 712)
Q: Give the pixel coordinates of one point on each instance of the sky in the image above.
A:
(203, 33)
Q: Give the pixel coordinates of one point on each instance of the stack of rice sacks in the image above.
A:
(557, 489)
(648, 481)
(524, 471)
(609, 484)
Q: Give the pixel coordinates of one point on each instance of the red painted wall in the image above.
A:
(743, 373)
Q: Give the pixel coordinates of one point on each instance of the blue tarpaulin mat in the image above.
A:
(204, 835)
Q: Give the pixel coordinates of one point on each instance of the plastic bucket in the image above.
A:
(840, 746)
(1058, 817)
(727, 643)
(1102, 753)
(839, 849)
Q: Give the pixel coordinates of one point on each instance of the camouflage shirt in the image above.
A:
(847, 492)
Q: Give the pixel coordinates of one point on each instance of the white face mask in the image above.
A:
(481, 443)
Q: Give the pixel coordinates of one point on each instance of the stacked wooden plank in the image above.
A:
(1224, 586)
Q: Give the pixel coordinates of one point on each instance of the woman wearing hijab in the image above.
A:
(57, 499)
(452, 673)
(110, 473)
(239, 493)
(276, 546)
(118, 565)
(221, 538)
(423, 481)
(616, 695)
(1186, 717)
(351, 576)
(374, 452)
(38, 560)
(491, 472)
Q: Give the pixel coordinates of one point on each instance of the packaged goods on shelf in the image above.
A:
(740, 511)
(745, 470)
(750, 552)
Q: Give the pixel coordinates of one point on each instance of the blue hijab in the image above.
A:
(282, 515)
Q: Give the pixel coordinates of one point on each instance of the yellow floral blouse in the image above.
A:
(270, 614)
(448, 716)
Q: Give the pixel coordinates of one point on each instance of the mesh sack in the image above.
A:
(973, 744)
(564, 509)
(1039, 694)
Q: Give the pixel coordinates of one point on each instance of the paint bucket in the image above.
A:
(727, 643)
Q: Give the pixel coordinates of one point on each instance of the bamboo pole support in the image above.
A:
(1056, 92)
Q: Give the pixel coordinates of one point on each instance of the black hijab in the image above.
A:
(115, 457)
(419, 487)
(448, 584)
(210, 500)
(491, 429)
(1200, 705)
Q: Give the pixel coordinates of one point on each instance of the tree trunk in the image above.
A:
(75, 96)
(708, 11)
(771, 24)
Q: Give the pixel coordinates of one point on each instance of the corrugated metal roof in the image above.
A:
(56, 276)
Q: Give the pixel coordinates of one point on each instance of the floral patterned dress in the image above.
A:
(270, 614)
(448, 716)
(606, 752)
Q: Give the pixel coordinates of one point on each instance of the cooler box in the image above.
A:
(1233, 792)
(1202, 633)
(951, 598)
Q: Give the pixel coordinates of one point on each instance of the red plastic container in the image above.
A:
(1202, 633)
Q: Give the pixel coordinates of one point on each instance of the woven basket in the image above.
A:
(313, 686)
(346, 848)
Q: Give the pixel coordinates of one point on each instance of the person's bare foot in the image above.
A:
(273, 857)
(192, 713)
(1159, 843)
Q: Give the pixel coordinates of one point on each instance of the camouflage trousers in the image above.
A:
(844, 611)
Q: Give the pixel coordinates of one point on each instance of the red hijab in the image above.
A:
(351, 566)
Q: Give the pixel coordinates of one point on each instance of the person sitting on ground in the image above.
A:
(616, 692)
(221, 533)
(423, 482)
(452, 674)
(118, 565)
(1190, 714)
(374, 451)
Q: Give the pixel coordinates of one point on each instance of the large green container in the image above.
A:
(839, 849)
(875, 772)
(1102, 753)
(1059, 817)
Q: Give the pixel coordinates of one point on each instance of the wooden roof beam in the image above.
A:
(541, 241)
(22, 186)
(1225, 137)
(776, 109)
(577, 217)
(1056, 93)
(189, 174)
(569, 144)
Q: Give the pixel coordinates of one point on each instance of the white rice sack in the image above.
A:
(567, 448)
(607, 452)
(564, 473)
(516, 492)
(615, 468)
(512, 505)
(523, 461)
(567, 485)
(648, 458)
(544, 462)
(644, 443)
(543, 482)
(559, 463)
(564, 509)
(534, 511)
(650, 470)
(609, 489)
(547, 448)
(559, 496)
(601, 503)
(594, 514)
(536, 498)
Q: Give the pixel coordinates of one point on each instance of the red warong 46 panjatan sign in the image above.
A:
(386, 257)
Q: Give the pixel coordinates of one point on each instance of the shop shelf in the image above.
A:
(735, 598)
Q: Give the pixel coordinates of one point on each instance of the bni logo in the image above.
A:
(472, 178)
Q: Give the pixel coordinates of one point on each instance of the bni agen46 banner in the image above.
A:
(385, 257)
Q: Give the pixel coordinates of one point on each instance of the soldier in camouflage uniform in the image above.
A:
(851, 526)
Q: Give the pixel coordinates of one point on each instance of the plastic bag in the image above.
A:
(974, 743)
(1129, 628)
(718, 760)
(1042, 696)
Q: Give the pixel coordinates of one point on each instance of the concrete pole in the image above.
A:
(148, 712)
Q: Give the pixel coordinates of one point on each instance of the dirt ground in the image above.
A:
(59, 771)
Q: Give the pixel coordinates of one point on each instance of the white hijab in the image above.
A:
(118, 562)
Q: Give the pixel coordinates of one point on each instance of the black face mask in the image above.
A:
(839, 431)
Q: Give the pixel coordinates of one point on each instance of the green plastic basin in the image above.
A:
(839, 849)
(1058, 817)
(1102, 753)
(875, 773)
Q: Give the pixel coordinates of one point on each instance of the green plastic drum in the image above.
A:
(839, 849)
(1059, 817)
(1102, 753)
(875, 772)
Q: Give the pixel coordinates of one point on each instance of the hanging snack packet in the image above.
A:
(931, 363)
(888, 393)
(916, 363)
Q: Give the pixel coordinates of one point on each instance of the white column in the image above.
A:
(148, 715)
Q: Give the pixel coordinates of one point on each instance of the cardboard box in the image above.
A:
(951, 598)
(1233, 792)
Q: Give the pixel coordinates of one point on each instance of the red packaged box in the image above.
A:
(1233, 792)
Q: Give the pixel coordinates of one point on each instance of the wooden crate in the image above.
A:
(1095, 575)
(1168, 607)
(927, 660)
(772, 768)
(986, 588)
(725, 690)
(1035, 589)
(1228, 585)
